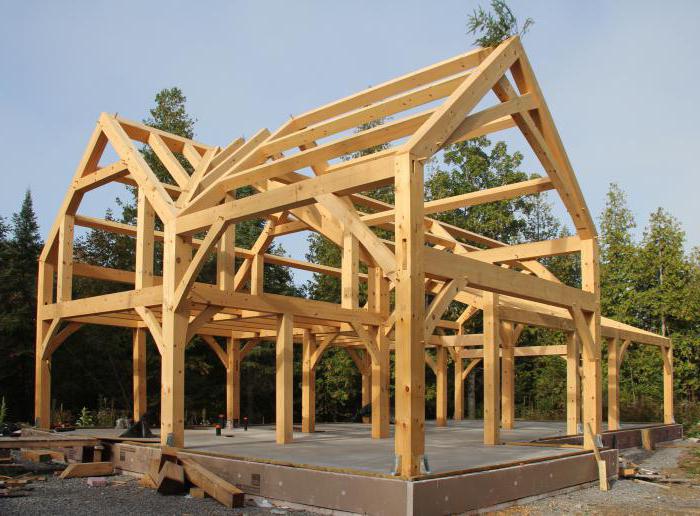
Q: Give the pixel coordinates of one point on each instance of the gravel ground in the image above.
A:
(628, 496)
(123, 496)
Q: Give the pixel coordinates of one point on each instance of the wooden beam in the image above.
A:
(441, 386)
(308, 384)
(175, 322)
(140, 403)
(446, 119)
(476, 198)
(613, 384)
(153, 325)
(64, 278)
(145, 177)
(233, 381)
(492, 385)
(101, 177)
(169, 161)
(145, 237)
(667, 355)
(343, 181)
(441, 302)
(485, 276)
(507, 376)
(406, 82)
(410, 319)
(588, 329)
(221, 354)
(573, 384)
(44, 329)
(529, 251)
(277, 304)
(284, 379)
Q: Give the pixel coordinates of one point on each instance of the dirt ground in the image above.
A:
(630, 497)
(122, 496)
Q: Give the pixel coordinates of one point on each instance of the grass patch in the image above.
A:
(690, 462)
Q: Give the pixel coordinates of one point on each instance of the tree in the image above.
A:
(495, 27)
(477, 165)
(617, 257)
(19, 256)
(662, 275)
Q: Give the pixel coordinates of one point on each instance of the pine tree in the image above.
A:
(18, 312)
(495, 27)
(663, 274)
(617, 257)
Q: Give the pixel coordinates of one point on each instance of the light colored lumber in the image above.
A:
(87, 469)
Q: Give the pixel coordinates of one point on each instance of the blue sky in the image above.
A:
(620, 79)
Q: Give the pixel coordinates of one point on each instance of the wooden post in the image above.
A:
(139, 373)
(308, 384)
(178, 253)
(378, 301)
(507, 377)
(459, 385)
(64, 282)
(226, 256)
(233, 381)
(573, 384)
(492, 384)
(613, 384)
(145, 228)
(590, 355)
(441, 387)
(667, 354)
(42, 378)
(366, 384)
(284, 379)
(257, 271)
(410, 315)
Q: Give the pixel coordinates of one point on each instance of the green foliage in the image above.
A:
(85, 418)
(3, 411)
(477, 165)
(495, 27)
(20, 245)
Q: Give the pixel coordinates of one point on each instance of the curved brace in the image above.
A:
(54, 340)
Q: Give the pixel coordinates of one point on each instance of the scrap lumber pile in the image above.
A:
(173, 474)
(11, 487)
(628, 470)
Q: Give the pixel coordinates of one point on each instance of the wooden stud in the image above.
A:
(284, 381)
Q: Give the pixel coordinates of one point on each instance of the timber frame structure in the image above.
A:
(301, 183)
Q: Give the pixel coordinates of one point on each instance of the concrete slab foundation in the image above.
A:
(341, 468)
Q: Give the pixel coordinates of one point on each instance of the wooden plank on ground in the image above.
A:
(216, 487)
(88, 469)
(46, 442)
